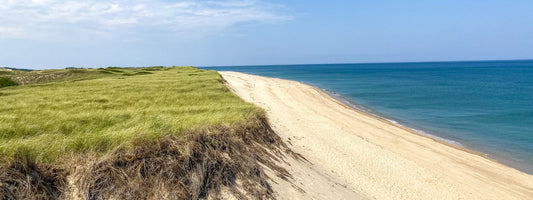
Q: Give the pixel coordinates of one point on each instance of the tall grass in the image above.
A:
(105, 109)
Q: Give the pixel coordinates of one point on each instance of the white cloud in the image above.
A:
(45, 19)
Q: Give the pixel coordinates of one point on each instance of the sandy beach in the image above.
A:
(354, 155)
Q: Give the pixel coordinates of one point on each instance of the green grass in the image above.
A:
(56, 75)
(104, 109)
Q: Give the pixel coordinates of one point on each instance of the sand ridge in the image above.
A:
(354, 155)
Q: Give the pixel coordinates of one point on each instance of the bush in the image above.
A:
(5, 82)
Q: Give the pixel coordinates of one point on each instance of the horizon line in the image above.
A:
(391, 62)
(296, 64)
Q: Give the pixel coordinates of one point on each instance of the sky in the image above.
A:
(42, 34)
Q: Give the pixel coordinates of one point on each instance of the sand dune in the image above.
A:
(353, 155)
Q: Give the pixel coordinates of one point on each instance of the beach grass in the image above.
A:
(54, 113)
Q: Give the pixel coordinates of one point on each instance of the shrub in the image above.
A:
(6, 81)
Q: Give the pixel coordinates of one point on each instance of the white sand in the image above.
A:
(357, 156)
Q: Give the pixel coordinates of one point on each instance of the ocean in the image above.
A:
(486, 106)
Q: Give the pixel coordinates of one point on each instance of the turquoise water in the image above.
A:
(484, 106)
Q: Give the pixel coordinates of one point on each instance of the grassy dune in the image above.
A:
(138, 133)
(45, 121)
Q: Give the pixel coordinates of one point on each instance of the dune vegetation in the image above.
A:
(6, 82)
(45, 121)
(128, 132)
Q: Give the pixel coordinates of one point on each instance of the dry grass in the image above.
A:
(25, 179)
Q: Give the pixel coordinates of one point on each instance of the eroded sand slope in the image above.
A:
(354, 155)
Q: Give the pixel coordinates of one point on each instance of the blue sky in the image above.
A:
(56, 34)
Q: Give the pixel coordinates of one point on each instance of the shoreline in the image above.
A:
(360, 108)
(372, 154)
(376, 114)
(391, 122)
(452, 143)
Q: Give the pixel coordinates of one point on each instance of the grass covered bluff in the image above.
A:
(142, 133)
